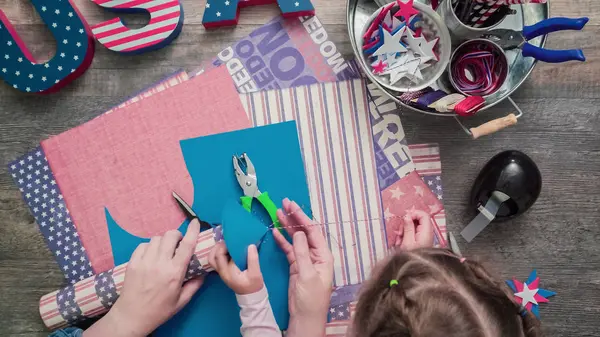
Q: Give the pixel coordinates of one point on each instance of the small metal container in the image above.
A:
(467, 44)
(460, 31)
(432, 26)
(359, 11)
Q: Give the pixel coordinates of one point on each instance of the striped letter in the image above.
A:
(74, 50)
(166, 21)
(226, 12)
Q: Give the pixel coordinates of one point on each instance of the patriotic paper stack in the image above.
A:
(360, 169)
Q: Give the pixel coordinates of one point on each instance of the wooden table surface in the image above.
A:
(560, 130)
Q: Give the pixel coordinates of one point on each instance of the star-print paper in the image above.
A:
(529, 294)
(41, 193)
(74, 50)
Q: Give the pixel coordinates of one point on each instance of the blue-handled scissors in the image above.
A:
(511, 39)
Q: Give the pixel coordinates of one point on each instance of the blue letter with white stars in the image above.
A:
(74, 51)
(226, 12)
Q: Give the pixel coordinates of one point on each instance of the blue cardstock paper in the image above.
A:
(275, 153)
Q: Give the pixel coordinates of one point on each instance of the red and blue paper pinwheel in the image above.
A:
(529, 294)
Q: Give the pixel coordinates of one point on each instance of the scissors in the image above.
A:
(454, 245)
(249, 183)
(191, 215)
(511, 39)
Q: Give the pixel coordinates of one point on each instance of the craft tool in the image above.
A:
(511, 39)
(190, 214)
(529, 294)
(507, 186)
(246, 177)
(454, 245)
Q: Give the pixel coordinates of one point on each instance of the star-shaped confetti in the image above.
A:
(379, 67)
(529, 294)
(406, 10)
(391, 43)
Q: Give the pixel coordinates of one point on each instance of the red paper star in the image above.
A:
(379, 67)
(406, 10)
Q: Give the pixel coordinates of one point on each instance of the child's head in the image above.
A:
(437, 294)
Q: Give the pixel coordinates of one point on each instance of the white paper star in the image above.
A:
(207, 5)
(527, 295)
(4, 70)
(44, 8)
(218, 14)
(9, 43)
(57, 11)
(226, 3)
(428, 46)
(414, 42)
(297, 4)
(20, 59)
(17, 73)
(391, 43)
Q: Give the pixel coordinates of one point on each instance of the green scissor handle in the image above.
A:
(267, 203)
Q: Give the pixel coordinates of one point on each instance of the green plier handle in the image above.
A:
(267, 203)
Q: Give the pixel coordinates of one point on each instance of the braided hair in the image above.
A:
(438, 294)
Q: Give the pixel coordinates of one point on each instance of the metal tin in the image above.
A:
(458, 30)
(466, 43)
(359, 11)
(435, 26)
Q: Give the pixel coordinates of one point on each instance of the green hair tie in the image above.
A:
(393, 283)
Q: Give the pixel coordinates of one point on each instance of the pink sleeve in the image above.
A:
(257, 316)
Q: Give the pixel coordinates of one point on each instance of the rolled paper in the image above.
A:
(96, 294)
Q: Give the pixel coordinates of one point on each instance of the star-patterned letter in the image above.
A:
(18, 66)
(219, 13)
(166, 22)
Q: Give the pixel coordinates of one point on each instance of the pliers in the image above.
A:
(511, 39)
(249, 184)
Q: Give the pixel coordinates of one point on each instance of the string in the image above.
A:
(324, 224)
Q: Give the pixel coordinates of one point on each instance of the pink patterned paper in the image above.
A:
(408, 193)
(130, 162)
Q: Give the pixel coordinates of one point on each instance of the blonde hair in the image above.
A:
(438, 295)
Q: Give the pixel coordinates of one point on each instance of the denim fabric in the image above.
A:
(68, 332)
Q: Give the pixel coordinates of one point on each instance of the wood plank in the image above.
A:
(559, 130)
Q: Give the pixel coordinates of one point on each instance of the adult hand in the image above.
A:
(417, 231)
(244, 282)
(311, 271)
(154, 290)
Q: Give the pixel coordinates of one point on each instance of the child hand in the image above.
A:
(417, 231)
(244, 282)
